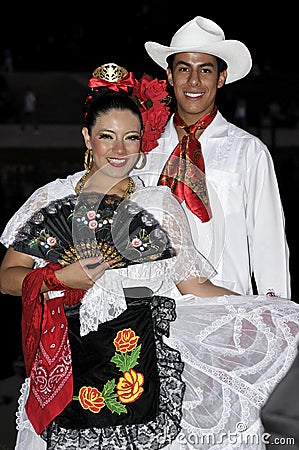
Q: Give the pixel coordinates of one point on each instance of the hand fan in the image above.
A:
(93, 224)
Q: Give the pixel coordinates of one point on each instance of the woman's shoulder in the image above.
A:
(69, 182)
(59, 187)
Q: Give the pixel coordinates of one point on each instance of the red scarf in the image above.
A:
(184, 172)
(46, 346)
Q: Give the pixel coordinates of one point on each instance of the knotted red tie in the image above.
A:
(184, 172)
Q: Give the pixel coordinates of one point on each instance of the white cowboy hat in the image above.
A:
(204, 36)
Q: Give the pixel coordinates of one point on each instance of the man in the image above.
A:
(238, 221)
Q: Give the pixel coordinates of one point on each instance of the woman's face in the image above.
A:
(115, 141)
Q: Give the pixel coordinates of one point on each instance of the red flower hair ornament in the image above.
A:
(150, 95)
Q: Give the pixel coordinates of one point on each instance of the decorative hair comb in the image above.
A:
(112, 76)
(110, 72)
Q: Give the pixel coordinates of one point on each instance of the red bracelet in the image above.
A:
(71, 296)
(50, 278)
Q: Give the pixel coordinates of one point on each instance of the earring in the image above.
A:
(88, 159)
(143, 161)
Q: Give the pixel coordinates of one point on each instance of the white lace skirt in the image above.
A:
(235, 350)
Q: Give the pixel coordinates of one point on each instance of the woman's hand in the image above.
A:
(82, 274)
(79, 275)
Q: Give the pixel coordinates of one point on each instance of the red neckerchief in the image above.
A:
(46, 346)
(184, 172)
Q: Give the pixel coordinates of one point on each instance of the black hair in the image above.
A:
(221, 64)
(102, 101)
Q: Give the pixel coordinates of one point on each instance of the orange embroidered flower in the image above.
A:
(90, 398)
(129, 387)
(125, 340)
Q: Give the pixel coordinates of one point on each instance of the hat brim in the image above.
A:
(234, 53)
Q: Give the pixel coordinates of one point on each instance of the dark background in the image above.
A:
(46, 38)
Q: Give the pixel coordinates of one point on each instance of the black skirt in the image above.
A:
(127, 382)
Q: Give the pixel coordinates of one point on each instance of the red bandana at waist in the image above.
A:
(184, 172)
(46, 346)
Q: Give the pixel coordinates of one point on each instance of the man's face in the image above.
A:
(195, 81)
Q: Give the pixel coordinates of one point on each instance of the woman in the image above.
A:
(108, 368)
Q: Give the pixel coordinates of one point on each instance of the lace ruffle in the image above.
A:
(103, 302)
(168, 211)
(40, 198)
(235, 350)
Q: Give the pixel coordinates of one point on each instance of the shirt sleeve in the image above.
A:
(266, 228)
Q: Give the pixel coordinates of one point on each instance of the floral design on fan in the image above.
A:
(46, 240)
(72, 228)
(129, 386)
(96, 220)
(153, 100)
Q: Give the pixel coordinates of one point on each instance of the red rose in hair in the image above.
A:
(152, 98)
(153, 90)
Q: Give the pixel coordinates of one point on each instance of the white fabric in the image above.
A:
(54, 190)
(26, 436)
(235, 349)
(106, 300)
(247, 231)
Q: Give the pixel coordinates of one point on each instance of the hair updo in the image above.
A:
(102, 100)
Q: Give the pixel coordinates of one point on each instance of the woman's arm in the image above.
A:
(14, 268)
(202, 288)
(16, 265)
